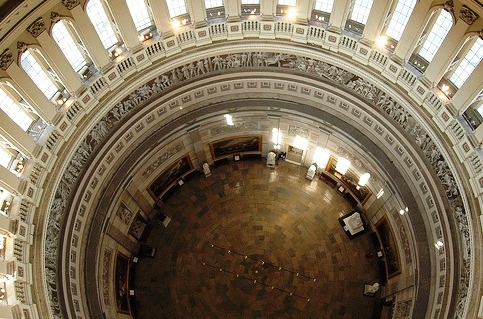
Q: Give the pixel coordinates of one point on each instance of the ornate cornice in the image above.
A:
(449, 5)
(70, 4)
(6, 59)
(468, 15)
(37, 27)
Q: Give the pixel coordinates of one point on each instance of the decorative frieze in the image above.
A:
(170, 152)
(337, 76)
(236, 127)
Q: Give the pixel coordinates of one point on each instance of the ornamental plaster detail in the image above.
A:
(468, 15)
(6, 59)
(70, 4)
(250, 60)
(170, 152)
(237, 127)
(37, 27)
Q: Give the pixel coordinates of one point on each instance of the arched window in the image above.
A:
(322, 10)
(12, 107)
(435, 38)
(68, 41)
(249, 7)
(358, 16)
(176, 8)
(214, 9)
(324, 5)
(141, 14)
(290, 3)
(468, 64)
(400, 18)
(360, 11)
(5, 156)
(105, 30)
(35, 65)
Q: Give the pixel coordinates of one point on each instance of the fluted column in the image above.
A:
(469, 90)
(446, 52)
(89, 37)
(267, 8)
(198, 13)
(27, 88)
(338, 16)
(161, 17)
(412, 31)
(125, 24)
(376, 20)
(16, 136)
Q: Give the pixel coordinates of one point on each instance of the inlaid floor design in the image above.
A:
(255, 242)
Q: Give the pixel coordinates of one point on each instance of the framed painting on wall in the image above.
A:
(389, 247)
(122, 274)
(169, 176)
(235, 145)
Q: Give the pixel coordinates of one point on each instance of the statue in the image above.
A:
(206, 169)
(271, 156)
(311, 172)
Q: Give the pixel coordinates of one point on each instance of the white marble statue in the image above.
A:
(206, 169)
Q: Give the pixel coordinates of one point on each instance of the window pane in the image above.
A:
(5, 156)
(468, 64)
(68, 45)
(213, 4)
(291, 3)
(324, 5)
(361, 10)
(14, 111)
(400, 18)
(38, 74)
(435, 38)
(176, 7)
(101, 23)
(140, 14)
(250, 2)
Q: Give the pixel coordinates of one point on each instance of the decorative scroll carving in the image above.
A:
(70, 4)
(294, 130)
(404, 237)
(163, 158)
(124, 214)
(6, 59)
(253, 60)
(468, 15)
(54, 16)
(234, 128)
(37, 27)
(449, 5)
(22, 46)
(403, 309)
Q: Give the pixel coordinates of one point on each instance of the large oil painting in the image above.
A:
(235, 145)
(122, 293)
(169, 176)
(389, 247)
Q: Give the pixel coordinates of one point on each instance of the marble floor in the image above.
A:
(255, 242)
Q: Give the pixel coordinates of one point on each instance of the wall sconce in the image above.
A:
(321, 156)
(343, 165)
(146, 36)
(117, 51)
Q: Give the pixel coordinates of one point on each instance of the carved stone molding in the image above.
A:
(54, 16)
(468, 15)
(449, 5)
(6, 59)
(37, 27)
(70, 4)
(22, 46)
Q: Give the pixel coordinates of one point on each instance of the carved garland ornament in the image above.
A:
(70, 4)
(468, 15)
(6, 59)
(37, 27)
(339, 77)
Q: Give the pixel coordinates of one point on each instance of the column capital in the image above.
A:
(37, 27)
(6, 59)
(468, 15)
(22, 46)
(70, 4)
